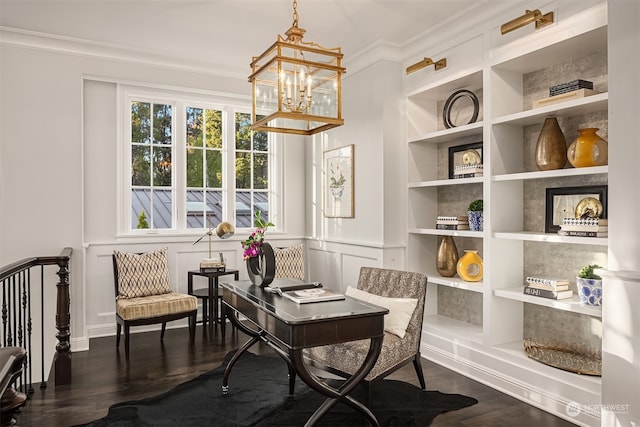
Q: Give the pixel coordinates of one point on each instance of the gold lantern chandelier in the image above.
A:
(296, 85)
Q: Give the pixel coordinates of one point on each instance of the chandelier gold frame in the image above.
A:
(296, 85)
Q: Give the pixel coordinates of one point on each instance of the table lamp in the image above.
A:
(224, 230)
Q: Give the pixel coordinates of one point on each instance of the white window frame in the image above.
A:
(179, 99)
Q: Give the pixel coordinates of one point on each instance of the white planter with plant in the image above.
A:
(589, 285)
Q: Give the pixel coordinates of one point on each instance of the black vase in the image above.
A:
(262, 268)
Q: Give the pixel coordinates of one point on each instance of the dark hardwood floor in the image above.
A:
(101, 378)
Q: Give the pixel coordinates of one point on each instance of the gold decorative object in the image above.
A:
(471, 157)
(589, 207)
(551, 147)
(438, 65)
(470, 267)
(528, 17)
(447, 257)
(573, 358)
(224, 230)
(296, 85)
(589, 149)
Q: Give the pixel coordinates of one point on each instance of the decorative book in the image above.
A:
(543, 293)
(313, 295)
(468, 170)
(548, 284)
(583, 233)
(576, 94)
(570, 86)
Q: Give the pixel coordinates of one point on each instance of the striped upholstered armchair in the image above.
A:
(144, 295)
(403, 293)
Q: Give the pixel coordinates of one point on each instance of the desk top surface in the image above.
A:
(293, 313)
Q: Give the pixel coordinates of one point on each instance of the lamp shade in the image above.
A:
(224, 230)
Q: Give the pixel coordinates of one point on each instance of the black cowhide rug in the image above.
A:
(258, 396)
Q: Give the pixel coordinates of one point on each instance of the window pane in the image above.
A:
(260, 171)
(214, 168)
(261, 141)
(140, 208)
(162, 208)
(243, 170)
(214, 208)
(161, 124)
(214, 128)
(244, 217)
(195, 209)
(162, 166)
(261, 203)
(243, 132)
(140, 122)
(140, 165)
(194, 168)
(194, 127)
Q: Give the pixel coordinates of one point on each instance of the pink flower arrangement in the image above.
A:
(252, 244)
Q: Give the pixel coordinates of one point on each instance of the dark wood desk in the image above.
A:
(290, 328)
(211, 292)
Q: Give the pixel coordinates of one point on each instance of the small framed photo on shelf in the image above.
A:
(562, 202)
(465, 161)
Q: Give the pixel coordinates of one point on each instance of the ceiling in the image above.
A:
(228, 33)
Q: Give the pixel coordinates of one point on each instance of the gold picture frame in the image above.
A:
(338, 191)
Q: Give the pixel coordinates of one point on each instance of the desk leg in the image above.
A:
(256, 336)
(335, 395)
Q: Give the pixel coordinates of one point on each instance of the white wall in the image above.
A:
(58, 169)
(375, 235)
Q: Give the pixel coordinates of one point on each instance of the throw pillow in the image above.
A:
(290, 262)
(400, 309)
(141, 275)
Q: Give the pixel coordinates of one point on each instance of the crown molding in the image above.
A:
(95, 50)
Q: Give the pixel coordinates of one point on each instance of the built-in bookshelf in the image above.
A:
(507, 75)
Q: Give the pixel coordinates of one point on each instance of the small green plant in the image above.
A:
(586, 272)
(142, 220)
(476, 206)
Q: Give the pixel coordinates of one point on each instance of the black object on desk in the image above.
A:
(210, 297)
(289, 328)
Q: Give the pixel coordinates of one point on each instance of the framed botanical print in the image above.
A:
(338, 191)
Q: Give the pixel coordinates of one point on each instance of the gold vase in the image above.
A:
(447, 257)
(588, 149)
(551, 148)
(470, 267)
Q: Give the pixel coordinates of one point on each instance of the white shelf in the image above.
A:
(589, 104)
(450, 329)
(571, 304)
(531, 236)
(456, 282)
(445, 182)
(445, 135)
(595, 170)
(514, 352)
(455, 233)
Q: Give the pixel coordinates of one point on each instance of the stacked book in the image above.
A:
(570, 87)
(548, 288)
(584, 227)
(566, 91)
(452, 222)
(468, 171)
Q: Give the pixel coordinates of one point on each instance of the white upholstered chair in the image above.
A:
(289, 262)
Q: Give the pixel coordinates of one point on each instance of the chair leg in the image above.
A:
(192, 328)
(418, 366)
(205, 315)
(118, 331)
(164, 328)
(126, 342)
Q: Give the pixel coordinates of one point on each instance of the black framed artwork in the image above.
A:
(562, 202)
(457, 155)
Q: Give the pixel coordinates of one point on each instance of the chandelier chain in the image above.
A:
(295, 13)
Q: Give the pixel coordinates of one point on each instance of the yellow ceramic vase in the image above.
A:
(470, 267)
(588, 149)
